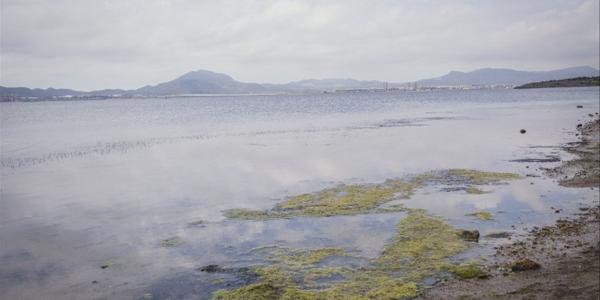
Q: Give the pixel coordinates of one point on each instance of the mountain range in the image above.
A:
(208, 82)
(491, 76)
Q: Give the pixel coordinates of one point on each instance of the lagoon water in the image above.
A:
(86, 184)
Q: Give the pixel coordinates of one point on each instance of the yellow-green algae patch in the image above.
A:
(475, 191)
(340, 200)
(480, 177)
(482, 215)
(368, 198)
(468, 270)
(420, 248)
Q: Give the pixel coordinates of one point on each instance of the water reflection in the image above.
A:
(111, 179)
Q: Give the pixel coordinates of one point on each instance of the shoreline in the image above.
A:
(560, 261)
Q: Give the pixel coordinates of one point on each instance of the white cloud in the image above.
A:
(127, 44)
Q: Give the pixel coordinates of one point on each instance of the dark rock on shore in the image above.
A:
(470, 235)
(524, 264)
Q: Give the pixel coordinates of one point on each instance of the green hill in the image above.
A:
(570, 82)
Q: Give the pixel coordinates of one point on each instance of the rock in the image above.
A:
(470, 235)
(579, 106)
(211, 269)
(499, 235)
(524, 264)
(522, 131)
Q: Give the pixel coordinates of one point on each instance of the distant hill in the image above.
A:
(38, 93)
(201, 82)
(570, 82)
(491, 76)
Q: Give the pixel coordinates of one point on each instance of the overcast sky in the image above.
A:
(127, 44)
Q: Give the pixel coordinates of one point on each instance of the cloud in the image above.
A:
(127, 44)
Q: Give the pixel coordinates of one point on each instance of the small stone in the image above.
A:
(522, 131)
(524, 264)
(579, 125)
(579, 106)
(211, 269)
(470, 235)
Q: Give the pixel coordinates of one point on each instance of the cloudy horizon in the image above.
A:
(89, 45)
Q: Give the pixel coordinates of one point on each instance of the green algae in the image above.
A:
(475, 191)
(420, 248)
(482, 215)
(367, 198)
(300, 258)
(421, 245)
(339, 200)
(480, 177)
(171, 242)
(468, 270)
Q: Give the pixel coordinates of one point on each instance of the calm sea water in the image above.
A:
(90, 183)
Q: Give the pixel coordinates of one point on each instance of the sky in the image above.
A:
(88, 45)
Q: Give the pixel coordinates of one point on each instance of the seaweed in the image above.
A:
(420, 248)
(368, 198)
(475, 191)
(482, 215)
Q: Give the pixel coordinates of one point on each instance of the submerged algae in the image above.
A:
(421, 247)
(480, 177)
(475, 191)
(339, 200)
(482, 215)
(368, 198)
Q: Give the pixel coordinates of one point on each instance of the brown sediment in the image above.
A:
(568, 255)
(584, 171)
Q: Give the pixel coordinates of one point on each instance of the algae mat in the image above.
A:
(369, 198)
(421, 247)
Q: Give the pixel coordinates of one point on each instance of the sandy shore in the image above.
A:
(561, 261)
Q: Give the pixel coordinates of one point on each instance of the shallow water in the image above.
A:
(93, 183)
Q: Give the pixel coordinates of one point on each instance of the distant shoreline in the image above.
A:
(569, 82)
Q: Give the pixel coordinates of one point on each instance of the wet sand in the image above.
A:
(564, 257)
